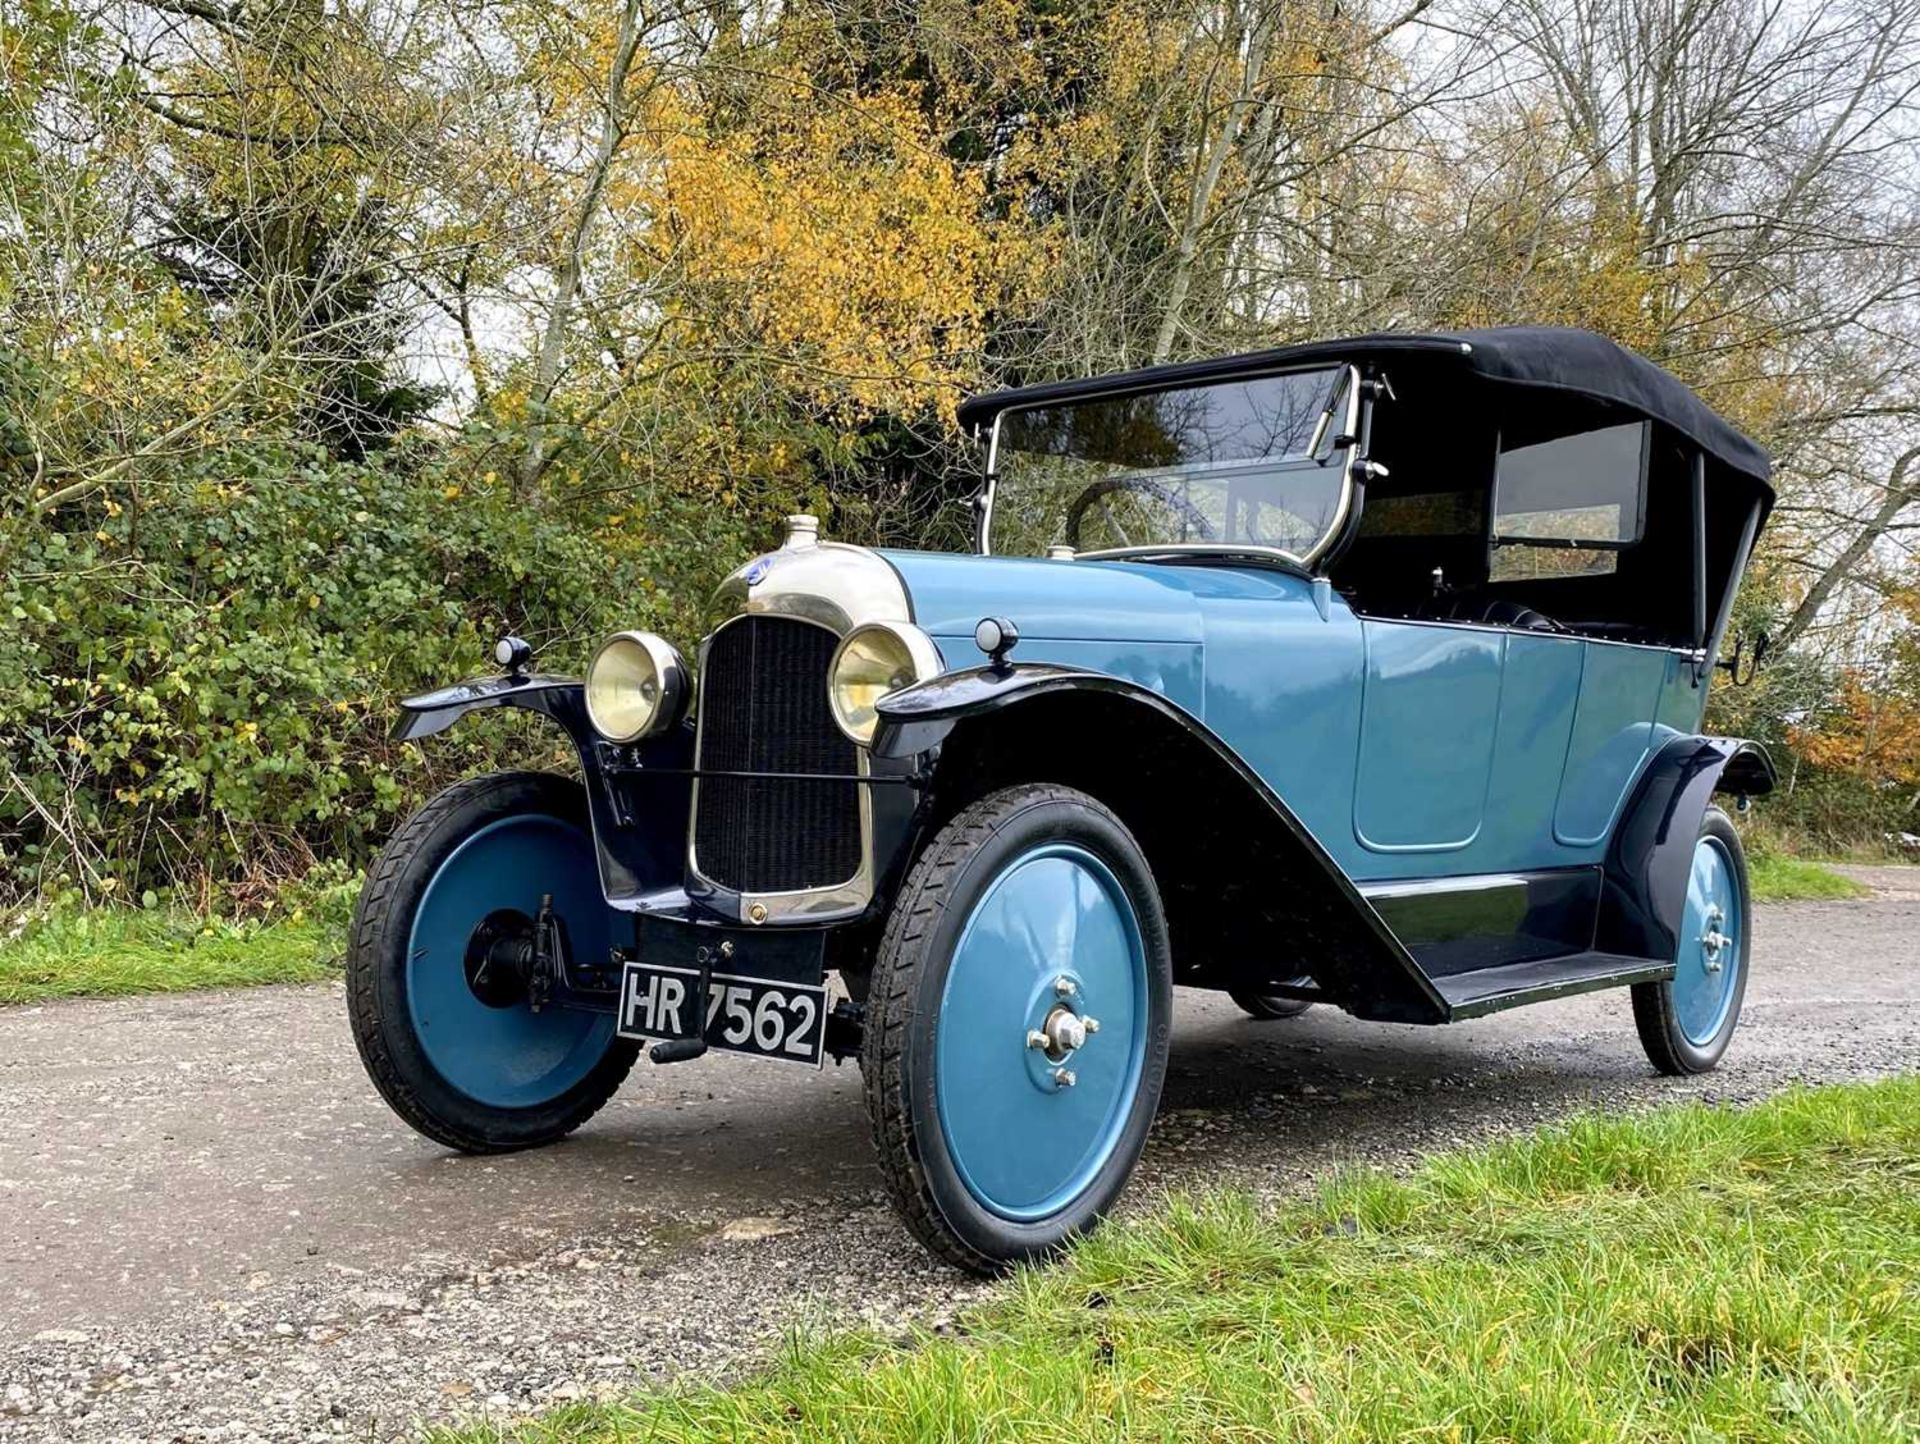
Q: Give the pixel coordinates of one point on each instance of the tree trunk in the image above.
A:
(553, 342)
(1900, 494)
(1206, 180)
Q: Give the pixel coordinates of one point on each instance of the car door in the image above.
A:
(1430, 707)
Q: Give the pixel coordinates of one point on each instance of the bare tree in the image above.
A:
(1762, 162)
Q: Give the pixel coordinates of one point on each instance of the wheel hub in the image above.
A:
(1714, 942)
(470, 951)
(1707, 965)
(1063, 1032)
(499, 958)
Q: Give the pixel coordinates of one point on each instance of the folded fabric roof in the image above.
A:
(1558, 358)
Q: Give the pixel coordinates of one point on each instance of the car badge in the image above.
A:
(758, 569)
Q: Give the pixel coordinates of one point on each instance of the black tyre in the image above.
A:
(451, 1041)
(1267, 1007)
(1686, 1022)
(1017, 1027)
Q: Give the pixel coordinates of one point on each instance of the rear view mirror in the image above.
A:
(1742, 663)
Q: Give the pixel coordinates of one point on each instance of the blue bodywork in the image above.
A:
(1460, 816)
(1409, 749)
(1372, 761)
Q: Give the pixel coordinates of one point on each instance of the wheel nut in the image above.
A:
(1092, 1025)
(1063, 987)
(1063, 1078)
(1035, 1038)
(1064, 1031)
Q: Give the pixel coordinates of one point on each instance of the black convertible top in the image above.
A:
(1558, 358)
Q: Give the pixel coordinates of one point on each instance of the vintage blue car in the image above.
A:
(1368, 672)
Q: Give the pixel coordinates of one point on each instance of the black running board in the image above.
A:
(1491, 990)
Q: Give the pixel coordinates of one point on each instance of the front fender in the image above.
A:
(1249, 890)
(917, 719)
(639, 798)
(1644, 891)
(561, 698)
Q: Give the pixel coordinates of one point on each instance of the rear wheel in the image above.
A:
(1017, 1027)
(447, 1031)
(1686, 1022)
(1267, 1006)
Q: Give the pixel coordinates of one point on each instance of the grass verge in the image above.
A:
(1692, 1274)
(1790, 879)
(105, 952)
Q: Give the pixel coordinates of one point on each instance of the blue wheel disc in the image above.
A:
(507, 1057)
(1053, 931)
(1708, 964)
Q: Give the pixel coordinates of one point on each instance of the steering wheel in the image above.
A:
(1159, 491)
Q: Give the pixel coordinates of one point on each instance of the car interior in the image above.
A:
(1436, 539)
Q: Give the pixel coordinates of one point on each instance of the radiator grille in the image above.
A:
(763, 708)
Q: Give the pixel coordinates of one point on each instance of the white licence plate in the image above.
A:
(767, 1019)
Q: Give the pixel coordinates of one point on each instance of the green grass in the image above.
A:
(1695, 1274)
(1790, 879)
(103, 952)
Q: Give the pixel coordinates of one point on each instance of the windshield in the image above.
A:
(1232, 466)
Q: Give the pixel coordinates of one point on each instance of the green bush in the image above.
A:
(201, 674)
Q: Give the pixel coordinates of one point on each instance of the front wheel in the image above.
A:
(1686, 1022)
(1018, 1027)
(447, 1030)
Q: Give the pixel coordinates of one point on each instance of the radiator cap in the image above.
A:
(802, 531)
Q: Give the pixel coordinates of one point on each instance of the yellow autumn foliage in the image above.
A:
(830, 237)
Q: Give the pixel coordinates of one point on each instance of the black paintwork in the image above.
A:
(1461, 924)
(1645, 882)
(1492, 990)
(431, 712)
(639, 796)
(786, 955)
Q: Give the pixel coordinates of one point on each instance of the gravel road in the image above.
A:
(212, 1229)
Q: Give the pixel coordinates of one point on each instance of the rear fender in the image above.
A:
(1644, 886)
(1251, 895)
(639, 797)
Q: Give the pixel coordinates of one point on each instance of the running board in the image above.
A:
(1490, 990)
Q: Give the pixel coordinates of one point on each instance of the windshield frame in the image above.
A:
(1346, 435)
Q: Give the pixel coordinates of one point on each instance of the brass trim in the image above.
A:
(921, 652)
(669, 669)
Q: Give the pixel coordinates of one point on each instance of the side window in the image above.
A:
(1565, 507)
(1549, 564)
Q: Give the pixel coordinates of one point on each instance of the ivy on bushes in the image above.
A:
(200, 676)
